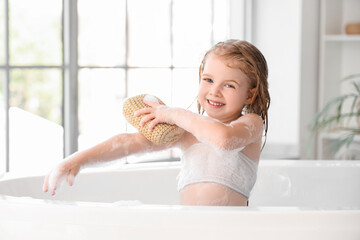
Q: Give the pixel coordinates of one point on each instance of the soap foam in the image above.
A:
(151, 98)
(127, 203)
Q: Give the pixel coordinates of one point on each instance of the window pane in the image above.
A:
(156, 82)
(38, 92)
(2, 32)
(101, 32)
(36, 134)
(35, 35)
(101, 93)
(185, 88)
(192, 34)
(2, 122)
(221, 20)
(284, 66)
(149, 33)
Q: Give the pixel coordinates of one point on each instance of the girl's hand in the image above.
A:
(67, 169)
(156, 113)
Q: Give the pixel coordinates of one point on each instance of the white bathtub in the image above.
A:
(291, 200)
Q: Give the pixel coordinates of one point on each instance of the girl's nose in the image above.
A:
(215, 90)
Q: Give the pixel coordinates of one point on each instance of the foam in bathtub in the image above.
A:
(163, 133)
(127, 203)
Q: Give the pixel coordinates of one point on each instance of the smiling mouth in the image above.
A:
(215, 104)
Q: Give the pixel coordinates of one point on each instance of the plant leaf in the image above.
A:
(353, 104)
(340, 104)
(356, 86)
(345, 140)
(352, 130)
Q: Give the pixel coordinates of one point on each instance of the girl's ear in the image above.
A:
(251, 96)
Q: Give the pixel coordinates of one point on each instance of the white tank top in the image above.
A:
(202, 163)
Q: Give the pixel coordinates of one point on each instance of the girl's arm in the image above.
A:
(237, 134)
(117, 147)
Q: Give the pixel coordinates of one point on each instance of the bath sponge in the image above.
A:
(162, 133)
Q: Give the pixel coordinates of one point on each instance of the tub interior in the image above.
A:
(146, 184)
(299, 183)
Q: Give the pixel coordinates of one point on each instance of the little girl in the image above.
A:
(221, 150)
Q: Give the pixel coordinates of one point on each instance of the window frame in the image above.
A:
(7, 67)
(70, 67)
(240, 27)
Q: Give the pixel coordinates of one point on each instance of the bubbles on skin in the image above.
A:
(212, 166)
(202, 135)
(122, 142)
(119, 141)
(198, 133)
(238, 143)
(58, 175)
(229, 153)
(233, 143)
(63, 171)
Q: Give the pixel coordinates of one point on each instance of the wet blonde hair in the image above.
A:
(246, 57)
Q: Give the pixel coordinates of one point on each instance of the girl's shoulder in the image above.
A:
(249, 118)
(253, 116)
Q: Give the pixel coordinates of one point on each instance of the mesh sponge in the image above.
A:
(162, 133)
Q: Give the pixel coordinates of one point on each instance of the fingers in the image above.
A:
(152, 124)
(142, 111)
(52, 191)
(146, 110)
(70, 179)
(151, 103)
(54, 180)
(71, 176)
(146, 118)
(149, 114)
(46, 184)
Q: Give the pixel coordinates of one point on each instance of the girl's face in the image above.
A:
(223, 91)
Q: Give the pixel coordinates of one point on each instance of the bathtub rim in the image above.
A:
(175, 166)
(133, 205)
(187, 222)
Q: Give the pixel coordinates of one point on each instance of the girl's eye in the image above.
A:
(229, 86)
(208, 80)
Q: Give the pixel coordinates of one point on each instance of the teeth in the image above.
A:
(215, 104)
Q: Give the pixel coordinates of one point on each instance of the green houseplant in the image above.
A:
(333, 117)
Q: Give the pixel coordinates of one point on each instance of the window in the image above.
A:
(140, 51)
(67, 65)
(31, 84)
(2, 123)
(282, 51)
(91, 55)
